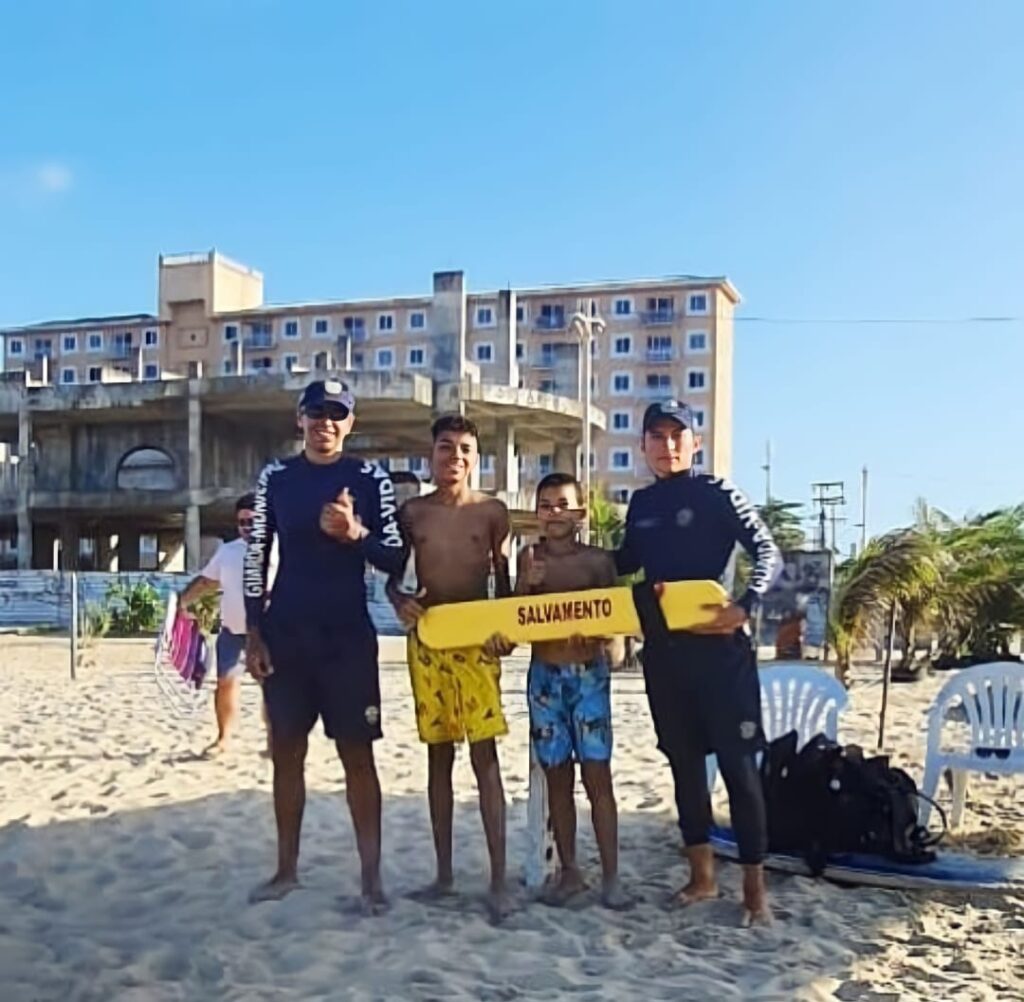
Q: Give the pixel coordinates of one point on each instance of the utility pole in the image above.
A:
(767, 472)
(586, 324)
(829, 496)
(863, 508)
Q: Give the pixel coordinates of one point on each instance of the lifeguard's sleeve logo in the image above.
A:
(755, 535)
(577, 610)
(387, 506)
(257, 550)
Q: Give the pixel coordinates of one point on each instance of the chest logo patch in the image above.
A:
(684, 517)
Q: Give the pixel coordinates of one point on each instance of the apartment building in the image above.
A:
(661, 338)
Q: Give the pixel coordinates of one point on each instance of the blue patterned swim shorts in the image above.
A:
(570, 711)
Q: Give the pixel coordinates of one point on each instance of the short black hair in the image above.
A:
(247, 502)
(456, 423)
(561, 480)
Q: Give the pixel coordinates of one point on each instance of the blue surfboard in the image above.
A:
(951, 871)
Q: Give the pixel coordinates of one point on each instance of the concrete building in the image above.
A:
(208, 385)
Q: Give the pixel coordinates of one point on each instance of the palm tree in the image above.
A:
(607, 522)
(783, 520)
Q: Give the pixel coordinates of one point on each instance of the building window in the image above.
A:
(520, 351)
(547, 386)
(622, 382)
(659, 348)
(16, 346)
(228, 367)
(698, 458)
(291, 328)
(552, 317)
(151, 371)
(357, 360)
(484, 316)
(264, 363)
(321, 327)
(622, 459)
(70, 343)
(697, 342)
(622, 347)
(69, 375)
(385, 358)
(230, 334)
(544, 465)
(487, 464)
(623, 307)
(696, 379)
(699, 418)
(698, 303)
(520, 313)
(660, 310)
(416, 358)
(95, 342)
(621, 420)
(659, 384)
(355, 327)
(485, 352)
(289, 362)
(417, 321)
(417, 465)
(620, 495)
(95, 374)
(386, 322)
(151, 338)
(149, 552)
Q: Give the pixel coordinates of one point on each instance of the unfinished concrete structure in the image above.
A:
(143, 476)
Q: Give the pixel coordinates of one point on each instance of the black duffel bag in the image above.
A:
(827, 799)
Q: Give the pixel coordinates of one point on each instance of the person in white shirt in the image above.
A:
(224, 573)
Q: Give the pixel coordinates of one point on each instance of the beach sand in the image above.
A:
(126, 860)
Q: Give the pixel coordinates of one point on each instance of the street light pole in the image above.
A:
(586, 324)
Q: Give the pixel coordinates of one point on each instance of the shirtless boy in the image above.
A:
(569, 690)
(459, 536)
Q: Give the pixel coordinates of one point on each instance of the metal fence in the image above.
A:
(42, 599)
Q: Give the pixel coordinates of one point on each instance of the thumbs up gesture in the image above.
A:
(338, 519)
(534, 568)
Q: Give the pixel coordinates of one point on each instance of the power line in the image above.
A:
(902, 321)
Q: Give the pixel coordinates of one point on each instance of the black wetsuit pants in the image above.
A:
(705, 697)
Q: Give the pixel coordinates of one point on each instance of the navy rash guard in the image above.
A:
(685, 528)
(320, 582)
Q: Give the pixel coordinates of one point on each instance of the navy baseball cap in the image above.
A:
(322, 392)
(675, 410)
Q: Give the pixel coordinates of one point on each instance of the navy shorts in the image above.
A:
(325, 674)
(230, 648)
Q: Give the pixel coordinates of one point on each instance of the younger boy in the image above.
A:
(569, 690)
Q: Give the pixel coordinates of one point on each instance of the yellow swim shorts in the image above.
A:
(457, 693)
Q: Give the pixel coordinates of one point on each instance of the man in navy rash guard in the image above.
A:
(702, 684)
(311, 641)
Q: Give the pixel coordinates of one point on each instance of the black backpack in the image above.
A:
(828, 799)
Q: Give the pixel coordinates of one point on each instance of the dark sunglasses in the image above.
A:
(245, 523)
(332, 412)
(1000, 753)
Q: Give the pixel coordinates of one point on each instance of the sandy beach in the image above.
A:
(125, 863)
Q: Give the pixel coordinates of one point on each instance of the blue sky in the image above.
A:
(839, 162)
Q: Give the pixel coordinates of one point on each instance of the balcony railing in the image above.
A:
(657, 392)
(660, 355)
(260, 340)
(552, 322)
(122, 351)
(357, 335)
(665, 316)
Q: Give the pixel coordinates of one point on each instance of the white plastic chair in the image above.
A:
(989, 700)
(796, 697)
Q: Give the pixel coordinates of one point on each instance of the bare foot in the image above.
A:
(755, 898)
(694, 891)
(568, 886)
(497, 904)
(373, 903)
(614, 897)
(760, 917)
(275, 889)
(216, 749)
(437, 891)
